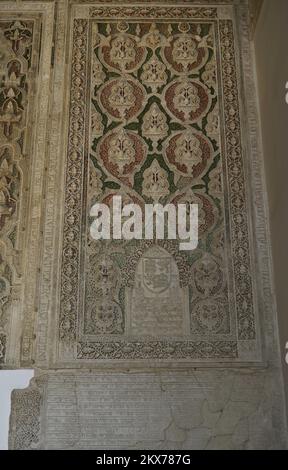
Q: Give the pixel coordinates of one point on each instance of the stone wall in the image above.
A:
(199, 409)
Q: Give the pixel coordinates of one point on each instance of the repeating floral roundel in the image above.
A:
(122, 152)
(122, 98)
(123, 53)
(190, 152)
(208, 315)
(184, 54)
(187, 100)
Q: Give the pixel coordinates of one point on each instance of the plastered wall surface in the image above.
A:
(272, 68)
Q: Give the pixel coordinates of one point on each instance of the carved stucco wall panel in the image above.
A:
(24, 75)
(152, 126)
(186, 130)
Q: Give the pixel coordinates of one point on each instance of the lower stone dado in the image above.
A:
(199, 409)
(136, 344)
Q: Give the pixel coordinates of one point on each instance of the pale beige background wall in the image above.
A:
(271, 47)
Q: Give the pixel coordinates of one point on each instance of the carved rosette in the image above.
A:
(154, 74)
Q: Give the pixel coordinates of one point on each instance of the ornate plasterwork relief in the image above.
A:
(156, 134)
(25, 68)
(197, 168)
(95, 331)
(19, 48)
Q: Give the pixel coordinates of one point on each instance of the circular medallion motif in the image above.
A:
(187, 100)
(209, 315)
(184, 54)
(123, 53)
(122, 98)
(122, 152)
(189, 152)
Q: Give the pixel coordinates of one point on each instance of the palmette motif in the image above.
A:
(122, 97)
(122, 51)
(97, 126)
(154, 74)
(121, 150)
(155, 125)
(155, 182)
